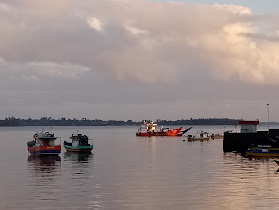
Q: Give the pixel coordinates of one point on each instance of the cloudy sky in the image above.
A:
(139, 59)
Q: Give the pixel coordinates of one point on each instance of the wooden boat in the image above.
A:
(217, 136)
(202, 136)
(150, 129)
(79, 144)
(263, 151)
(44, 144)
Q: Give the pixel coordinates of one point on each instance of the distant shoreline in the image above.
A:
(48, 121)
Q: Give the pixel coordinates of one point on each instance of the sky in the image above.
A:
(139, 59)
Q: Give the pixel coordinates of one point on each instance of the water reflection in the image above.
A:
(44, 169)
(44, 160)
(44, 176)
(44, 164)
(82, 157)
(78, 165)
(79, 180)
(252, 162)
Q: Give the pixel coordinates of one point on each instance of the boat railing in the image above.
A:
(91, 141)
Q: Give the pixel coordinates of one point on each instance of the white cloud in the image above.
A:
(4, 7)
(42, 71)
(56, 70)
(134, 30)
(169, 39)
(94, 23)
(3, 62)
(234, 9)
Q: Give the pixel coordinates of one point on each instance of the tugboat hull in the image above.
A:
(171, 132)
(156, 134)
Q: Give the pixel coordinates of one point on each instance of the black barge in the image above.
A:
(249, 136)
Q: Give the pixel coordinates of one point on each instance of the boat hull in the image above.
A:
(157, 134)
(45, 150)
(263, 152)
(152, 134)
(172, 132)
(199, 139)
(80, 149)
(217, 137)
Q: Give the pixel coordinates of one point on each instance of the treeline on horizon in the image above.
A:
(48, 121)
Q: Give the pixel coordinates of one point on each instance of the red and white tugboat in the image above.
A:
(44, 144)
(150, 129)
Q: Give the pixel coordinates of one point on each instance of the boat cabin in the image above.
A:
(45, 139)
(151, 127)
(45, 142)
(248, 126)
(79, 140)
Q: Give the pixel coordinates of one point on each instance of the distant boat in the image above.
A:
(79, 143)
(43, 144)
(200, 136)
(217, 136)
(263, 151)
(150, 129)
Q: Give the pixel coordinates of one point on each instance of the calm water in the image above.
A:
(129, 172)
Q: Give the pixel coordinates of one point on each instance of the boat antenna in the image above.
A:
(267, 118)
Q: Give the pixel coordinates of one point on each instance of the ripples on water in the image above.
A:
(128, 172)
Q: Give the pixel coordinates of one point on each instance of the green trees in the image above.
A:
(48, 121)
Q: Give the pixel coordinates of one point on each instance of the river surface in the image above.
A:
(129, 172)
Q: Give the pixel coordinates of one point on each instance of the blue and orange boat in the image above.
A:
(44, 144)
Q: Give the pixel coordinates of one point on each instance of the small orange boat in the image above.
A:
(150, 129)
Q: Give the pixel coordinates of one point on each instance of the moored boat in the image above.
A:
(79, 144)
(150, 129)
(44, 144)
(217, 136)
(200, 136)
(263, 151)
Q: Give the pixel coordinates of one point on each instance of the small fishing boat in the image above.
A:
(200, 136)
(217, 136)
(44, 144)
(149, 129)
(79, 144)
(263, 151)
